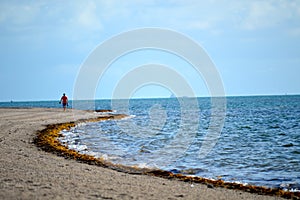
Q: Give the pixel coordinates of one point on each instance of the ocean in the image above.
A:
(259, 143)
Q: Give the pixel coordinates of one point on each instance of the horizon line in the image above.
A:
(242, 95)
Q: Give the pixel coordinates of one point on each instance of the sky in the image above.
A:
(254, 44)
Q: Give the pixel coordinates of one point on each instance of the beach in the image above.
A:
(27, 172)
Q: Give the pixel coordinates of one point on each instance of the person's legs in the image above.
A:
(65, 106)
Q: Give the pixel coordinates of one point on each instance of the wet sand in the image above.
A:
(27, 172)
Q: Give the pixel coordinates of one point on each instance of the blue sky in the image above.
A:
(255, 45)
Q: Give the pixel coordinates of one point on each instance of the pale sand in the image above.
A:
(30, 173)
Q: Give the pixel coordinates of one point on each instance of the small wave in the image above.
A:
(104, 157)
(128, 117)
(145, 166)
(191, 171)
(239, 182)
(78, 147)
(79, 125)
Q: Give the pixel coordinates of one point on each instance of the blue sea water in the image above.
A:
(259, 143)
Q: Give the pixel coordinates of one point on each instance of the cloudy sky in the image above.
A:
(255, 45)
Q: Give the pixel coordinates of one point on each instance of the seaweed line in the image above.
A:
(47, 140)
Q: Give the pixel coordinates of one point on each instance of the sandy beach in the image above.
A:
(27, 172)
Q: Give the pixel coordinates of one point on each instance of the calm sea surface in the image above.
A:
(259, 143)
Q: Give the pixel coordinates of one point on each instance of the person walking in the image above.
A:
(64, 101)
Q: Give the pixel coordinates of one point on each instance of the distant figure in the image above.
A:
(64, 101)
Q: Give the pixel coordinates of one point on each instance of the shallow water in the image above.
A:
(259, 143)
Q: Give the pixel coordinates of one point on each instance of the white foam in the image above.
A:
(78, 147)
(294, 190)
(143, 165)
(104, 157)
(239, 182)
(128, 117)
(80, 124)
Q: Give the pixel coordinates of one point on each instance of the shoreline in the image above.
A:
(27, 172)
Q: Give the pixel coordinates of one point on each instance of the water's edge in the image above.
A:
(48, 140)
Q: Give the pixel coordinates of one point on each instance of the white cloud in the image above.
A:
(52, 15)
(17, 13)
(295, 32)
(253, 14)
(88, 18)
(75, 20)
(269, 14)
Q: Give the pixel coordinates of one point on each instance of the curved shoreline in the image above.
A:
(47, 139)
(28, 172)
